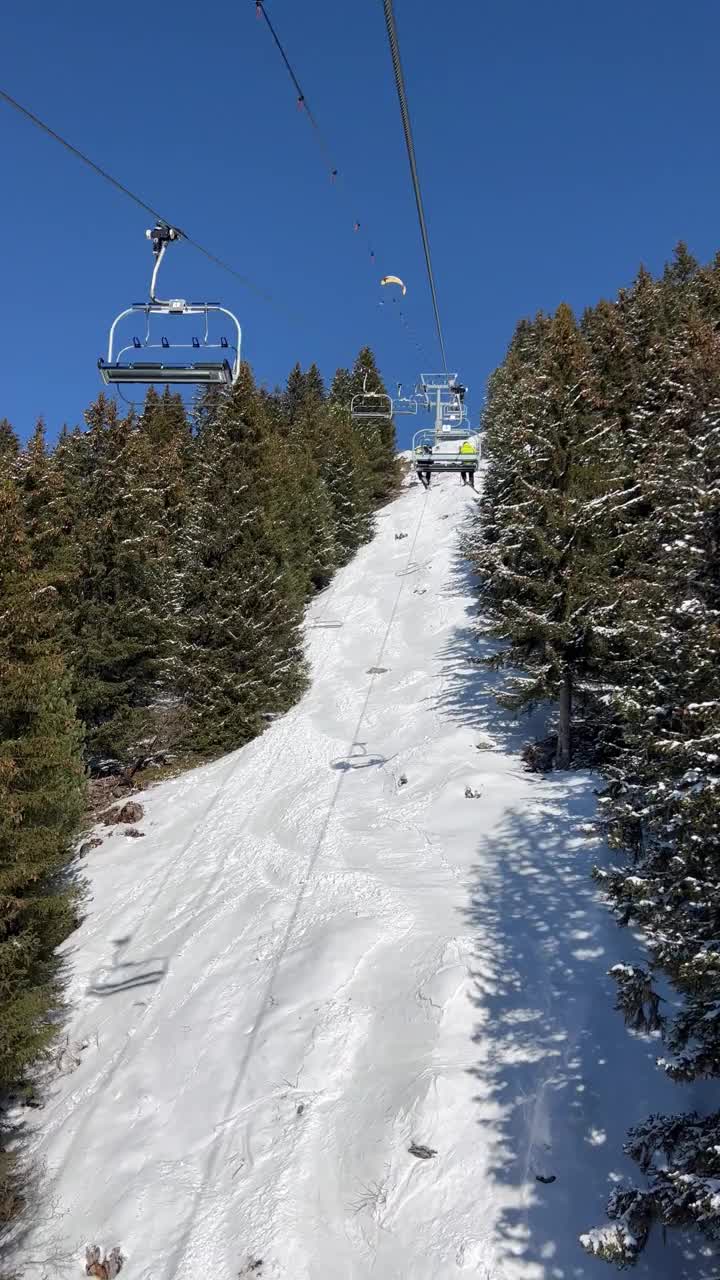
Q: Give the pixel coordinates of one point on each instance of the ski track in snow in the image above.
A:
(308, 964)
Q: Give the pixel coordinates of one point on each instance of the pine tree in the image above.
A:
(545, 557)
(294, 397)
(9, 444)
(242, 650)
(41, 797)
(375, 435)
(124, 479)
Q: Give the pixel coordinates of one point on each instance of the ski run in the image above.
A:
(368, 931)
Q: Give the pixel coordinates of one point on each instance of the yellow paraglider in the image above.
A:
(394, 280)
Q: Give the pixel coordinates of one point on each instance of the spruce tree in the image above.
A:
(9, 444)
(242, 650)
(41, 796)
(375, 435)
(545, 559)
(124, 477)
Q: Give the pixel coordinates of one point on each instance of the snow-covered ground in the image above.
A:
(324, 951)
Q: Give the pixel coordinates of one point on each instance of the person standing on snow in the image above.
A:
(468, 475)
(423, 457)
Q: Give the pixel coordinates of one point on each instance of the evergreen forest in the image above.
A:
(597, 544)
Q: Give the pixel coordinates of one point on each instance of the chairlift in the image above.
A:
(371, 404)
(431, 453)
(115, 370)
(454, 421)
(404, 404)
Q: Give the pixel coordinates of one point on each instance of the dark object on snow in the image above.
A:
(300, 1108)
(105, 1268)
(539, 756)
(133, 831)
(399, 536)
(402, 780)
(93, 843)
(422, 1153)
(472, 795)
(377, 671)
(130, 812)
(539, 1178)
(420, 591)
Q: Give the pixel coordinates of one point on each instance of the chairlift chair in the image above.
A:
(433, 454)
(371, 404)
(404, 404)
(115, 370)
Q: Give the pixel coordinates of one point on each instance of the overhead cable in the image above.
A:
(405, 113)
(323, 145)
(143, 204)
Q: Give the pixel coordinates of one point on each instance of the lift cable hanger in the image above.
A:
(169, 371)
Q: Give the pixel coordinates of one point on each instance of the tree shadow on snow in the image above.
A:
(560, 1079)
(468, 689)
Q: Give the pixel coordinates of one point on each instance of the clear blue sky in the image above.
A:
(559, 145)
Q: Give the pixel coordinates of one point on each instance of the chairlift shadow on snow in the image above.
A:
(126, 975)
(361, 759)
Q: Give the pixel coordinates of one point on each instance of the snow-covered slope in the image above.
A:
(324, 951)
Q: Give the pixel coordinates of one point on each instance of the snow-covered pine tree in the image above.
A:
(242, 650)
(344, 472)
(544, 559)
(9, 443)
(41, 795)
(124, 482)
(376, 435)
(662, 801)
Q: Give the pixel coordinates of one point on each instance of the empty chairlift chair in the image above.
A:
(371, 404)
(205, 370)
(404, 404)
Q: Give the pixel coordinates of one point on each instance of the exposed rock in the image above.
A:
(133, 831)
(539, 1178)
(93, 843)
(103, 1267)
(130, 812)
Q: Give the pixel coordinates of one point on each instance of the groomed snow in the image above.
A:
(323, 951)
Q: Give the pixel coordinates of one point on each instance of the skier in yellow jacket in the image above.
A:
(468, 450)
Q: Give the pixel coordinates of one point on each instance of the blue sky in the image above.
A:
(559, 146)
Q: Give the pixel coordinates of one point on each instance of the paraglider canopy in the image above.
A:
(394, 280)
